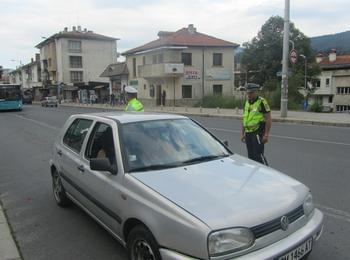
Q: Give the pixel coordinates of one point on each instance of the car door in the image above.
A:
(103, 188)
(70, 160)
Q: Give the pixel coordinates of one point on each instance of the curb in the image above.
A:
(274, 119)
(8, 248)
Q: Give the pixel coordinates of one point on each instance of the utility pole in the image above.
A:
(284, 90)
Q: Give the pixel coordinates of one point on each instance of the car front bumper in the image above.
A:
(313, 228)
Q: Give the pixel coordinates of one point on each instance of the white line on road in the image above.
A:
(38, 122)
(288, 137)
(335, 213)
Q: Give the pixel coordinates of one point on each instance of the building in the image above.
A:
(333, 88)
(118, 75)
(72, 62)
(180, 68)
(4, 75)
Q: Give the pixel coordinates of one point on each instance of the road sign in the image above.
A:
(293, 56)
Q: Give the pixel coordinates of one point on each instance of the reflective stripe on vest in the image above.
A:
(134, 105)
(252, 117)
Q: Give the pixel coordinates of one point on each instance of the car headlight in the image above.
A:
(229, 240)
(308, 205)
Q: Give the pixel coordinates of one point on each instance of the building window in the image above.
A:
(186, 58)
(144, 86)
(186, 91)
(49, 62)
(330, 99)
(327, 82)
(143, 60)
(75, 62)
(74, 46)
(76, 76)
(343, 90)
(160, 58)
(318, 83)
(134, 67)
(154, 59)
(217, 59)
(217, 90)
(343, 108)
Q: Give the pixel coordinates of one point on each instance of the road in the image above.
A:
(317, 156)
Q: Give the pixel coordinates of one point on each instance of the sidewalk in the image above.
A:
(300, 117)
(8, 249)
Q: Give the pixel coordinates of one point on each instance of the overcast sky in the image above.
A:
(23, 23)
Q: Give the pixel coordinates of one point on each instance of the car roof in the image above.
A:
(130, 117)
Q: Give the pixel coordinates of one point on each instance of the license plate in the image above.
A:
(298, 252)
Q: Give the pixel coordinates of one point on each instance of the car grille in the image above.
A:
(271, 226)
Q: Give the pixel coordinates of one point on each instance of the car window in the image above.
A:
(167, 142)
(75, 135)
(101, 143)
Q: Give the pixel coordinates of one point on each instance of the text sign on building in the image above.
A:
(192, 75)
(293, 56)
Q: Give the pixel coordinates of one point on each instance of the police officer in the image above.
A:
(256, 123)
(133, 103)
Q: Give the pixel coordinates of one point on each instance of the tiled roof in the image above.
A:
(183, 37)
(76, 35)
(340, 62)
(115, 70)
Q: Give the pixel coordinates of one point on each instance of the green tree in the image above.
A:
(262, 58)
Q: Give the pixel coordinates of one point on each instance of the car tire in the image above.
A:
(141, 244)
(59, 193)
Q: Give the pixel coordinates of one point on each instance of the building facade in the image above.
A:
(333, 88)
(74, 60)
(180, 68)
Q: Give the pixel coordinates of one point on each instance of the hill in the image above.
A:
(339, 41)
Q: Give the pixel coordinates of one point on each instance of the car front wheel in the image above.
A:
(142, 245)
(58, 191)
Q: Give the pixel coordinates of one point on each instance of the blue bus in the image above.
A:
(10, 97)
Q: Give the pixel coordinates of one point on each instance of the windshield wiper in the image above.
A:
(155, 167)
(205, 158)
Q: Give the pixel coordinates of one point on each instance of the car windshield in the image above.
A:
(154, 145)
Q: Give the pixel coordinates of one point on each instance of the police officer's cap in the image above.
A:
(130, 90)
(251, 87)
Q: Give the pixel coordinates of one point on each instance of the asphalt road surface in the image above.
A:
(317, 156)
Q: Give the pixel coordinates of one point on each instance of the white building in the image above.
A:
(76, 58)
(181, 67)
(333, 88)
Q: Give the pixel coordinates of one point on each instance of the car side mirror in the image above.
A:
(225, 142)
(102, 164)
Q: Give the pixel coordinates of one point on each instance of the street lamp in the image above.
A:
(305, 64)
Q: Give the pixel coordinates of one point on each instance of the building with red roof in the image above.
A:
(181, 67)
(333, 89)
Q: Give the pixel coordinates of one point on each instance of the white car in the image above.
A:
(166, 188)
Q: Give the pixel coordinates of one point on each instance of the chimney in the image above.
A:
(79, 28)
(163, 34)
(65, 29)
(31, 60)
(74, 29)
(319, 57)
(332, 55)
(191, 28)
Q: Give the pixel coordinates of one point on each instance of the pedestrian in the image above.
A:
(133, 103)
(112, 99)
(163, 97)
(256, 124)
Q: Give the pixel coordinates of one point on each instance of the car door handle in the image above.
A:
(81, 168)
(59, 152)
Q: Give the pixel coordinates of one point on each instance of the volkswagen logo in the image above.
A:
(284, 223)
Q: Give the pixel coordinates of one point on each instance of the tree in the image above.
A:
(263, 56)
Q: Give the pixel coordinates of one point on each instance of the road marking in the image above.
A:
(287, 137)
(335, 213)
(38, 122)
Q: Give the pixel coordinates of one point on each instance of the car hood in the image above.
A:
(229, 192)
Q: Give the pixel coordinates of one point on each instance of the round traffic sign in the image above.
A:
(293, 56)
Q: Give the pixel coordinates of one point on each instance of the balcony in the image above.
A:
(161, 70)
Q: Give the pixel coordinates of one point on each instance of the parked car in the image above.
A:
(49, 101)
(27, 99)
(167, 188)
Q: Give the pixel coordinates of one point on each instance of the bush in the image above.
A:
(316, 107)
(219, 101)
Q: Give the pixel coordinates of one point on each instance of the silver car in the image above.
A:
(166, 188)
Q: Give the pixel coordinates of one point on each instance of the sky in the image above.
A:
(24, 23)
